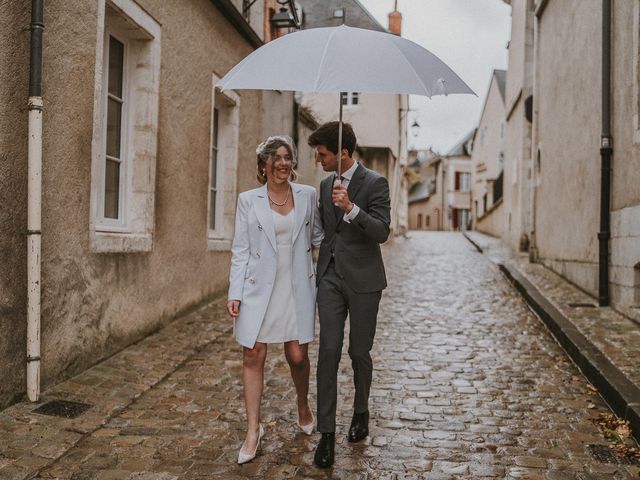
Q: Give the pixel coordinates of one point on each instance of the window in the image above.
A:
(462, 218)
(213, 169)
(246, 10)
(427, 217)
(124, 141)
(115, 161)
(223, 161)
(636, 286)
(419, 221)
(349, 98)
(463, 181)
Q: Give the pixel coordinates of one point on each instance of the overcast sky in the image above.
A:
(468, 35)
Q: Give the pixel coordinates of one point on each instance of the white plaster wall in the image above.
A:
(567, 200)
(487, 147)
(517, 146)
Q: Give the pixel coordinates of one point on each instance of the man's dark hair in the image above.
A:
(327, 135)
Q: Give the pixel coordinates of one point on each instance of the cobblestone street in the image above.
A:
(468, 384)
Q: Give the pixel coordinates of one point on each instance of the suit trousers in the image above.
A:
(335, 300)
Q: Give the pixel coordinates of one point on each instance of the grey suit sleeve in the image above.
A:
(374, 218)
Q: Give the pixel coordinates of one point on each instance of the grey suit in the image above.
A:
(350, 280)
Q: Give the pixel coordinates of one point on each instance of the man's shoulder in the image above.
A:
(371, 175)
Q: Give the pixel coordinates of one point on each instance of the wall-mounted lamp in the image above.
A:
(415, 128)
(284, 18)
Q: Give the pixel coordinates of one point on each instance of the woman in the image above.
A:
(272, 281)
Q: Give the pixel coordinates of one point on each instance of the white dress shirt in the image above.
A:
(346, 179)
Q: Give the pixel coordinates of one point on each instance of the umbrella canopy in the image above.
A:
(344, 59)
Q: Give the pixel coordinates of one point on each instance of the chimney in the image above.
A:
(395, 20)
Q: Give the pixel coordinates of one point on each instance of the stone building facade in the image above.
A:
(566, 163)
(143, 159)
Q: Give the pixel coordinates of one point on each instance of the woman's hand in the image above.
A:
(233, 307)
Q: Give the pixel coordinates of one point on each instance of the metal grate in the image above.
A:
(581, 305)
(63, 408)
(604, 454)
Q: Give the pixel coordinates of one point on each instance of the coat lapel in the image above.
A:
(265, 217)
(300, 207)
(328, 204)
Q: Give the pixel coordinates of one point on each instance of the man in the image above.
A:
(355, 213)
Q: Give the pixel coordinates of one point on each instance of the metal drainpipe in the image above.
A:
(34, 199)
(606, 151)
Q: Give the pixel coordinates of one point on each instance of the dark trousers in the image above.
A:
(335, 300)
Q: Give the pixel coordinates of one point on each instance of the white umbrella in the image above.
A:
(344, 59)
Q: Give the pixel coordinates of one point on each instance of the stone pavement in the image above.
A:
(602, 342)
(468, 384)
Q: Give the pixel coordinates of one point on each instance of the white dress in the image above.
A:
(279, 324)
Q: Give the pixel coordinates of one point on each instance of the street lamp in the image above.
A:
(284, 18)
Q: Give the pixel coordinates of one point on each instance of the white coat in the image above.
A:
(254, 261)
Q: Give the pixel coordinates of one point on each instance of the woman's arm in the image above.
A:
(317, 233)
(239, 250)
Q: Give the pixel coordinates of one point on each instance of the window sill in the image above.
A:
(218, 244)
(104, 242)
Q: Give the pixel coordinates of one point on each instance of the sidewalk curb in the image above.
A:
(473, 242)
(615, 388)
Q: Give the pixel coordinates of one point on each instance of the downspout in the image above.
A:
(606, 151)
(34, 198)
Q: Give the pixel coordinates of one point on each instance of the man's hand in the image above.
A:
(233, 307)
(340, 198)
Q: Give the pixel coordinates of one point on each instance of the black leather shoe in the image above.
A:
(324, 455)
(359, 427)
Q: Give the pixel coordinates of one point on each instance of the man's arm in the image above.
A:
(374, 218)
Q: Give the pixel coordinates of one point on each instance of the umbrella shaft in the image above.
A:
(340, 137)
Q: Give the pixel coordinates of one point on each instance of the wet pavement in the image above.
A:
(468, 384)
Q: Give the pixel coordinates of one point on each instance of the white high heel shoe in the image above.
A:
(247, 457)
(307, 429)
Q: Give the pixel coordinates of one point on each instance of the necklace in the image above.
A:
(286, 199)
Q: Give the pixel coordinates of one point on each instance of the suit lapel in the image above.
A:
(300, 207)
(356, 181)
(265, 217)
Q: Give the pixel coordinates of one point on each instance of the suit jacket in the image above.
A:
(356, 245)
(254, 261)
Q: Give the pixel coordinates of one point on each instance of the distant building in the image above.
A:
(441, 199)
(487, 159)
(424, 206)
(143, 159)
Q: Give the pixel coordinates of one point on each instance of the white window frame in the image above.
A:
(636, 72)
(228, 105)
(103, 223)
(139, 32)
(350, 96)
